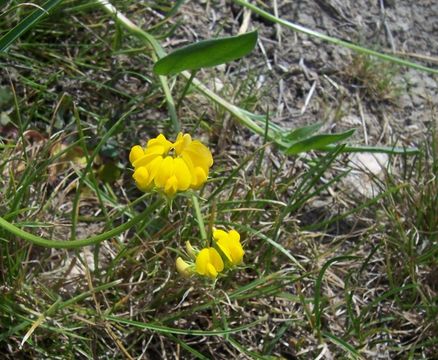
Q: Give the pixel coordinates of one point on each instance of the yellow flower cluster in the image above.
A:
(212, 260)
(171, 166)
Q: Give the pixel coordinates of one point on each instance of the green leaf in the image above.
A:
(302, 132)
(317, 142)
(26, 24)
(206, 53)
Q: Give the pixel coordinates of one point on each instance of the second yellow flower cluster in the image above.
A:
(171, 166)
(213, 260)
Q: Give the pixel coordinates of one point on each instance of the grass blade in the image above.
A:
(27, 23)
(392, 150)
(93, 240)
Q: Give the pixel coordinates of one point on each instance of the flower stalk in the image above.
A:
(200, 219)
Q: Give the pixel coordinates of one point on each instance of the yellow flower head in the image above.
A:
(229, 244)
(209, 263)
(171, 167)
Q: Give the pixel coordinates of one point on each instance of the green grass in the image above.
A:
(355, 276)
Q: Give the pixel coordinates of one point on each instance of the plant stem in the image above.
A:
(200, 219)
(73, 244)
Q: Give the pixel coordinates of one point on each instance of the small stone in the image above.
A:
(366, 167)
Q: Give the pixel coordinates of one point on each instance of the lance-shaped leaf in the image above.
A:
(206, 53)
(317, 142)
(302, 132)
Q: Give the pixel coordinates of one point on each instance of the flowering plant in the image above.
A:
(172, 167)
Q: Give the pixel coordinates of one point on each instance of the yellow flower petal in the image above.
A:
(182, 173)
(187, 168)
(158, 146)
(237, 254)
(225, 250)
(171, 186)
(156, 150)
(199, 177)
(216, 259)
(209, 262)
(136, 153)
(211, 271)
(233, 234)
(199, 154)
(219, 234)
(230, 245)
(146, 159)
(202, 260)
(188, 160)
(154, 166)
(161, 143)
(164, 172)
(182, 141)
(142, 178)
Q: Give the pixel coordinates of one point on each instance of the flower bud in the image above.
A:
(183, 268)
(190, 250)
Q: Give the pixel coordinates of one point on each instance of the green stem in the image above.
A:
(73, 244)
(200, 219)
(186, 88)
(333, 40)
